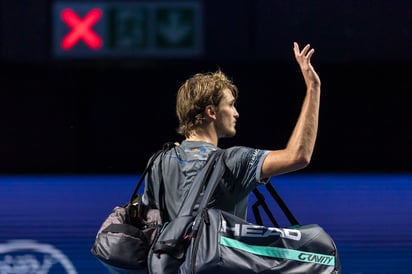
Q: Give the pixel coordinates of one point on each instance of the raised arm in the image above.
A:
(300, 146)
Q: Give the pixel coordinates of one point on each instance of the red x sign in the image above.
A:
(81, 29)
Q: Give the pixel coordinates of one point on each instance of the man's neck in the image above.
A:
(206, 139)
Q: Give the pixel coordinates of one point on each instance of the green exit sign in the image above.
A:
(152, 29)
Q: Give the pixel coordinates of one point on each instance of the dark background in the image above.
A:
(109, 116)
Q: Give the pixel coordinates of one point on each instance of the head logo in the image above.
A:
(30, 257)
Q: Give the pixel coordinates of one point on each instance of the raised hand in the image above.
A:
(303, 58)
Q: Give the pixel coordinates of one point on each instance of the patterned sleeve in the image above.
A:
(244, 169)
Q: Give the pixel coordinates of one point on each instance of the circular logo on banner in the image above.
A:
(31, 257)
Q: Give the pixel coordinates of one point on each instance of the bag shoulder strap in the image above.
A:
(167, 146)
(208, 174)
(212, 176)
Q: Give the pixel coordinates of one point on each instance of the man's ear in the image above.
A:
(210, 112)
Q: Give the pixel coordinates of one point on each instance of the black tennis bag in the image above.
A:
(203, 240)
(228, 244)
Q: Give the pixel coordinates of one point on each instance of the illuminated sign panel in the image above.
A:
(81, 29)
(120, 29)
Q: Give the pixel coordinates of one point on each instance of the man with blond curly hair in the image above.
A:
(206, 109)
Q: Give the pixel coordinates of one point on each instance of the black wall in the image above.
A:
(108, 116)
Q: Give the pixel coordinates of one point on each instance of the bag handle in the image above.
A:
(261, 202)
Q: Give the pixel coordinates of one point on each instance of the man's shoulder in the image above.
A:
(239, 153)
(196, 150)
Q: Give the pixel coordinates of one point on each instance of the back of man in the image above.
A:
(181, 164)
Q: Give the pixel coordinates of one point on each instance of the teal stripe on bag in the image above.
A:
(277, 252)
